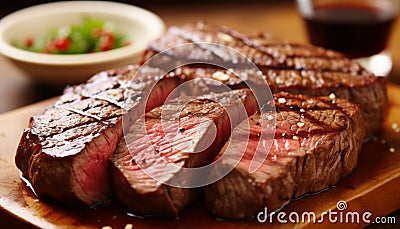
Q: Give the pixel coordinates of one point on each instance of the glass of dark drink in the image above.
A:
(358, 28)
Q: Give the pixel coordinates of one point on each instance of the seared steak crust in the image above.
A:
(317, 141)
(65, 151)
(187, 147)
(286, 66)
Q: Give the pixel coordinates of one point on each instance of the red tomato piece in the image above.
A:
(28, 42)
(108, 41)
(62, 44)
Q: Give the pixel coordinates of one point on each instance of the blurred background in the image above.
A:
(10, 6)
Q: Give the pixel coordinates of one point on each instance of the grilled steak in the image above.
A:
(65, 151)
(286, 66)
(171, 141)
(316, 142)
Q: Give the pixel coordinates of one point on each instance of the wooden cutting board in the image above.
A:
(374, 186)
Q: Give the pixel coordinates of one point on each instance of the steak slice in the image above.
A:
(65, 152)
(316, 142)
(286, 66)
(166, 144)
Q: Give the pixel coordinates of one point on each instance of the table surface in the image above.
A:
(279, 19)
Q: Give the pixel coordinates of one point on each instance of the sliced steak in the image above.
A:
(65, 151)
(316, 142)
(169, 142)
(286, 66)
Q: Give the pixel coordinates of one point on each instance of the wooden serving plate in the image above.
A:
(374, 186)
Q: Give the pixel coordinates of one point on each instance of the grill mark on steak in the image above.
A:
(315, 105)
(276, 49)
(190, 36)
(294, 166)
(39, 129)
(259, 55)
(150, 149)
(97, 118)
(263, 40)
(113, 102)
(64, 153)
(266, 45)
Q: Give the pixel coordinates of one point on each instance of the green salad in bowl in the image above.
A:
(66, 42)
(92, 35)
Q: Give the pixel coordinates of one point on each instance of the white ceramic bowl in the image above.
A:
(138, 25)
